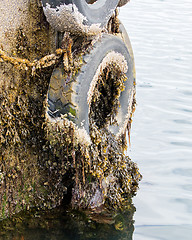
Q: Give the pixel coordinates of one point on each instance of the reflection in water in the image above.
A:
(66, 224)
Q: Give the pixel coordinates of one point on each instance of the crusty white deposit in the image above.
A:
(12, 15)
(68, 18)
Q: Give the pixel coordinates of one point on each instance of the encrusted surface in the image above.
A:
(43, 161)
(111, 58)
(68, 18)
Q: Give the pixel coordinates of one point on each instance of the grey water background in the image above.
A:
(161, 137)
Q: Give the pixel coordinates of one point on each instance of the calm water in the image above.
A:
(161, 142)
(161, 32)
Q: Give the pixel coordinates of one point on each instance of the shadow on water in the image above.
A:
(62, 223)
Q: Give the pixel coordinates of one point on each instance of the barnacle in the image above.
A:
(41, 159)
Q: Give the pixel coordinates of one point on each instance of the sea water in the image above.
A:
(161, 137)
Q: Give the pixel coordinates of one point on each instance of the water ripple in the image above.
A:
(160, 32)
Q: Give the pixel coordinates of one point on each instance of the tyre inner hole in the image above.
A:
(105, 100)
(91, 1)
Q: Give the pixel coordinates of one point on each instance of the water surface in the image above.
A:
(161, 143)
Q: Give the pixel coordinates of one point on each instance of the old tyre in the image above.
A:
(93, 97)
(94, 11)
(124, 36)
(99, 12)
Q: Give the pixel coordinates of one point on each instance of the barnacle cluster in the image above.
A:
(105, 99)
(67, 17)
(22, 144)
(44, 162)
(102, 174)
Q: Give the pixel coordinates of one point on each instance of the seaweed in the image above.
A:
(44, 162)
